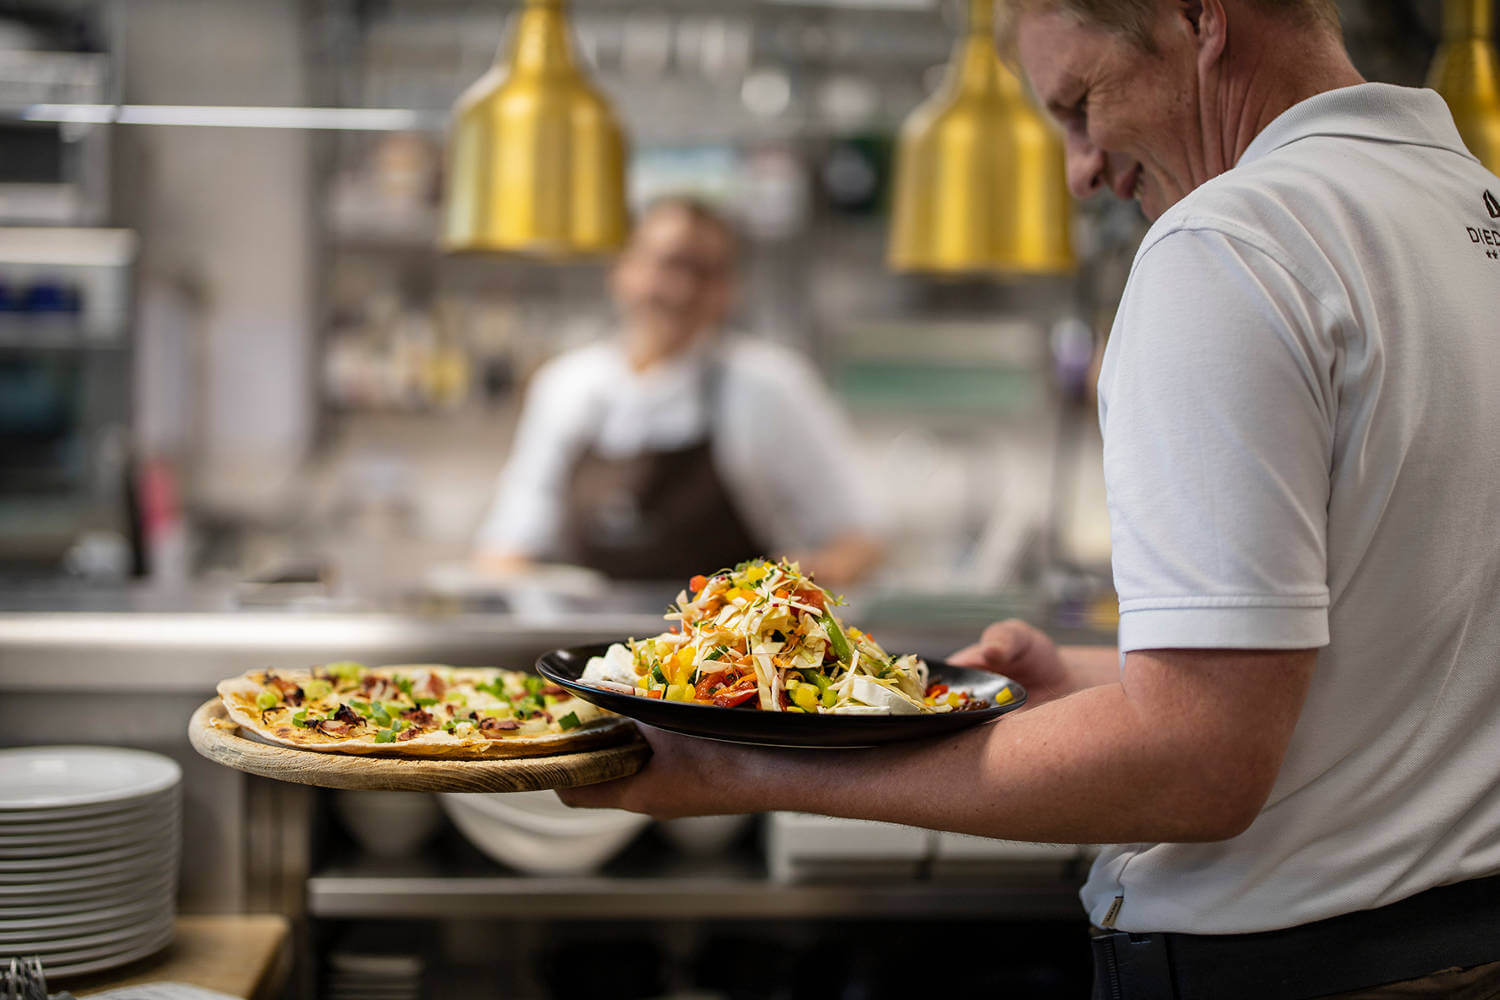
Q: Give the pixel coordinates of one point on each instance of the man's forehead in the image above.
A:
(1046, 44)
(668, 228)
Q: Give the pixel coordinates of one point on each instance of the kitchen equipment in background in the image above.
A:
(980, 183)
(388, 824)
(66, 396)
(536, 158)
(703, 836)
(90, 840)
(801, 847)
(358, 976)
(804, 848)
(959, 855)
(1466, 71)
(535, 833)
(52, 173)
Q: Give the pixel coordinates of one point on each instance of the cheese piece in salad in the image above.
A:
(764, 636)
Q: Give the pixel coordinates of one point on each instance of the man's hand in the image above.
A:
(1025, 654)
(683, 777)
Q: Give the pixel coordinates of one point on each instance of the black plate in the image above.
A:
(786, 729)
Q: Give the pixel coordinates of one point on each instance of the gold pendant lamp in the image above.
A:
(980, 182)
(1466, 71)
(536, 157)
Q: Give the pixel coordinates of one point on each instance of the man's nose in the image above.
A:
(1086, 164)
(678, 287)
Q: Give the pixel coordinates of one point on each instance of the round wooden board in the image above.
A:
(218, 739)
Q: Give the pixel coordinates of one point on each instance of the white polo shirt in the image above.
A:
(1301, 413)
(780, 442)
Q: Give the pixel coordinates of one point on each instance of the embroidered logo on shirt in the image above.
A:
(1488, 239)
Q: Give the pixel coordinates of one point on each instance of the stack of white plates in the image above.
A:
(90, 839)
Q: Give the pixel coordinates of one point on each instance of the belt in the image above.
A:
(1451, 926)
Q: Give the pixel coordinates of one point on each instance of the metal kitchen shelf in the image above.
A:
(651, 882)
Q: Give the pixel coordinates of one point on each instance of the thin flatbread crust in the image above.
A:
(422, 711)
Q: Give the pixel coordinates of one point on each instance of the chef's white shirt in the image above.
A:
(779, 441)
(1301, 412)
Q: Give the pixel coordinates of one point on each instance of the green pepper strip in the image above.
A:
(837, 639)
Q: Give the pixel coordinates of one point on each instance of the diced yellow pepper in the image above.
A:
(1004, 697)
(955, 699)
(805, 696)
(681, 668)
(679, 692)
(644, 683)
(755, 573)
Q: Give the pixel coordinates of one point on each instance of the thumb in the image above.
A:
(981, 656)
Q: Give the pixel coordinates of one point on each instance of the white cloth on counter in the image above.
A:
(1301, 409)
(780, 442)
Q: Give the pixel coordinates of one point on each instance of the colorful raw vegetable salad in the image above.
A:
(763, 635)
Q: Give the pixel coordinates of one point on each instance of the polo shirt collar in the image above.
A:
(1376, 111)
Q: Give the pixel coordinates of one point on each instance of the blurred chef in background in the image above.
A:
(670, 449)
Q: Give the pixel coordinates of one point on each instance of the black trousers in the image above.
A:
(1451, 926)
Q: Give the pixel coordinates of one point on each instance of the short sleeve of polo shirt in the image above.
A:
(1218, 410)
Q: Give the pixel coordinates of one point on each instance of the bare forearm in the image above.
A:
(1084, 769)
(1185, 746)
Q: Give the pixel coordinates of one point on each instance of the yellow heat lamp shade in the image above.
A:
(536, 157)
(980, 183)
(1466, 71)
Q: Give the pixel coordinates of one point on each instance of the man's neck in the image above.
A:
(644, 351)
(1275, 72)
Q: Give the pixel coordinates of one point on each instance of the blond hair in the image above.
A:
(1135, 18)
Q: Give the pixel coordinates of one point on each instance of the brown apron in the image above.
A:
(657, 515)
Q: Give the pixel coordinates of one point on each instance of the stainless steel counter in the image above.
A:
(726, 890)
(139, 640)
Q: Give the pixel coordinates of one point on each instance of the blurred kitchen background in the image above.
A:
(232, 350)
(249, 413)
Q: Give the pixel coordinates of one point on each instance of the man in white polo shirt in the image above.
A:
(1297, 746)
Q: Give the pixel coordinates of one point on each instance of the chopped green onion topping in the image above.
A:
(346, 670)
(569, 721)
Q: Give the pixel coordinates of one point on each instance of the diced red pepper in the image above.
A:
(936, 690)
(697, 583)
(707, 683)
(743, 690)
(654, 693)
(733, 697)
(812, 598)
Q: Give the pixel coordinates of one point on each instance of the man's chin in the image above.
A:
(663, 339)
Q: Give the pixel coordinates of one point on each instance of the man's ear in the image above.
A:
(1210, 25)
